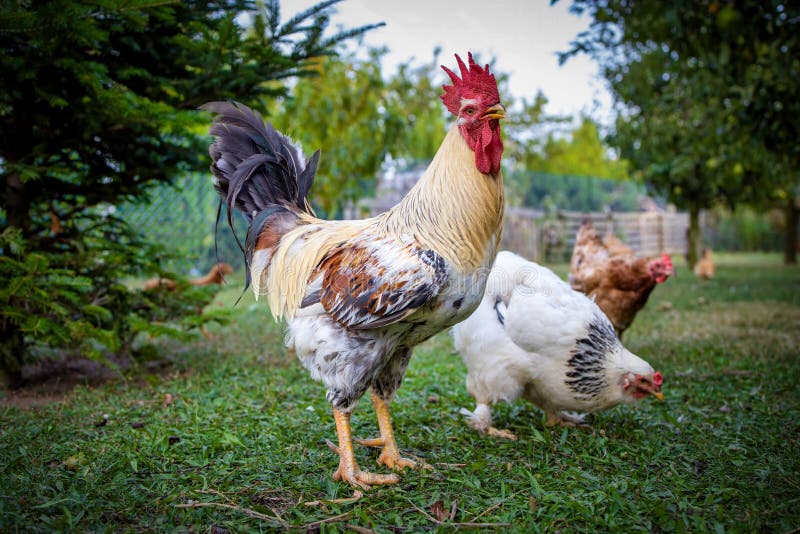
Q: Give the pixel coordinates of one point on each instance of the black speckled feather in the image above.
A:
(587, 377)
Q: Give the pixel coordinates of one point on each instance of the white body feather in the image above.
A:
(532, 354)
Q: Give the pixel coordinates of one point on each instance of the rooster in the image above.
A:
(620, 283)
(533, 337)
(359, 295)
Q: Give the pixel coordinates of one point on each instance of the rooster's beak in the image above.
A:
(495, 112)
(659, 395)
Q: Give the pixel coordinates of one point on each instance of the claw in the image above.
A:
(363, 479)
(398, 463)
(332, 447)
(371, 442)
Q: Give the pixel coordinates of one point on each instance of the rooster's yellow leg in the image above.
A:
(348, 469)
(390, 455)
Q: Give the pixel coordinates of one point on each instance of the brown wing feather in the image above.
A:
(377, 282)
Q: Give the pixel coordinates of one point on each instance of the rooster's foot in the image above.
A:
(393, 460)
(362, 479)
(348, 469)
(390, 456)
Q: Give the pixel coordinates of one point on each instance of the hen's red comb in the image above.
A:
(657, 379)
(475, 82)
(667, 261)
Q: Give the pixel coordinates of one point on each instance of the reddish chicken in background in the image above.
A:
(620, 283)
(359, 295)
(704, 269)
(615, 246)
(215, 276)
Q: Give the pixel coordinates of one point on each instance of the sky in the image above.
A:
(523, 36)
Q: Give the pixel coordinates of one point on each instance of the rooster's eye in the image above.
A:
(469, 111)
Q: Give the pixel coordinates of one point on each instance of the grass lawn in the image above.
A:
(231, 435)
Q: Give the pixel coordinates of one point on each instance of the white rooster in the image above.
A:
(534, 337)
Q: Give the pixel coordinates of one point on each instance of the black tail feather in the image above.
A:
(255, 165)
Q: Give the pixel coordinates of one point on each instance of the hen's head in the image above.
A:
(637, 386)
(474, 100)
(661, 268)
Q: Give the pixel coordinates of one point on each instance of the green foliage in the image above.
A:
(342, 112)
(241, 446)
(70, 301)
(413, 94)
(746, 229)
(572, 173)
(582, 154)
(522, 140)
(706, 94)
(98, 107)
(552, 192)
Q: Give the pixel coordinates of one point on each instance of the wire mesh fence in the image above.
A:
(182, 218)
(549, 237)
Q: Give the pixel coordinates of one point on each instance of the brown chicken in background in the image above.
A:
(215, 276)
(615, 246)
(619, 283)
(704, 269)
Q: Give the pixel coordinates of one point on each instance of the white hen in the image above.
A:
(534, 337)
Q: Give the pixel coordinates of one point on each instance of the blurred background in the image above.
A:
(672, 125)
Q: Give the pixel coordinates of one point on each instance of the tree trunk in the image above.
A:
(12, 343)
(792, 218)
(693, 236)
(17, 202)
(12, 347)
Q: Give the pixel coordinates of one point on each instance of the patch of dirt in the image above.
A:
(51, 381)
(30, 398)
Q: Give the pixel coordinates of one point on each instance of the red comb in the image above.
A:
(475, 82)
(667, 260)
(657, 379)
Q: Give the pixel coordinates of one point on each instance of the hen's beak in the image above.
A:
(658, 395)
(495, 112)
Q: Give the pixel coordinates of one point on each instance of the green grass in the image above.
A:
(242, 444)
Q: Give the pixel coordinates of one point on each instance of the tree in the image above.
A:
(413, 94)
(562, 171)
(344, 113)
(583, 153)
(99, 98)
(97, 106)
(706, 95)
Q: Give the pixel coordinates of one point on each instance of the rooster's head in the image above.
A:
(661, 268)
(474, 99)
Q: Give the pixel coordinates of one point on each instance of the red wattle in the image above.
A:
(488, 148)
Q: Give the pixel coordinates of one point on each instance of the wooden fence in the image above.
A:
(550, 237)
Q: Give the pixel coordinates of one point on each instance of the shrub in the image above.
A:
(63, 296)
